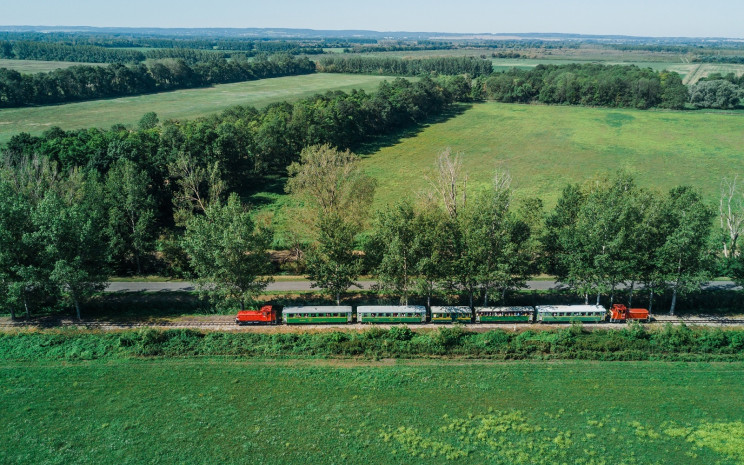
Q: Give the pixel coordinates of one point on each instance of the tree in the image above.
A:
(436, 242)
(148, 121)
(21, 273)
(228, 252)
(731, 215)
(684, 259)
(332, 182)
(198, 186)
(396, 242)
(332, 264)
(447, 184)
(70, 224)
(335, 193)
(131, 213)
(715, 94)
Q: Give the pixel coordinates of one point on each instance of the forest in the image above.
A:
(116, 80)
(471, 66)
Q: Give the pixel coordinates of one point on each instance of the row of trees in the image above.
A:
(600, 235)
(406, 66)
(61, 235)
(587, 84)
(110, 50)
(90, 82)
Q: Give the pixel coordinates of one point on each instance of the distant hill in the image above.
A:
(288, 33)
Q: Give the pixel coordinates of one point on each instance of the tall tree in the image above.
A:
(436, 241)
(396, 241)
(685, 259)
(332, 182)
(70, 224)
(731, 214)
(228, 253)
(21, 270)
(131, 214)
(331, 262)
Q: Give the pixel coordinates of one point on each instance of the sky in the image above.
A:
(656, 18)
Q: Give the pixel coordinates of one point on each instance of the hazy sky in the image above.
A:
(690, 18)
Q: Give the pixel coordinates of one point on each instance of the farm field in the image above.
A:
(546, 147)
(34, 66)
(179, 104)
(219, 410)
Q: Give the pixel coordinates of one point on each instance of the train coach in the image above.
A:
(317, 315)
(504, 314)
(449, 314)
(570, 313)
(391, 314)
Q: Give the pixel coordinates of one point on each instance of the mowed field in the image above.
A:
(179, 104)
(195, 411)
(546, 147)
(36, 66)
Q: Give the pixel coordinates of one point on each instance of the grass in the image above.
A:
(219, 410)
(546, 147)
(35, 66)
(180, 104)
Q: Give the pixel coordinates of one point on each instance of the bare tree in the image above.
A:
(448, 182)
(731, 214)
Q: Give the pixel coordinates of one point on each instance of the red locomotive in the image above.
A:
(619, 313)
(266, 315)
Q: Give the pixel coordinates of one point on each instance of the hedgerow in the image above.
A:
(675, 343)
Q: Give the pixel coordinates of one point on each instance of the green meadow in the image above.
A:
(179, 104)
(234, 411)
(546, 147)
(38, 66)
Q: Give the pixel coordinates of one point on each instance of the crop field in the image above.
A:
(180, 104)
(222, 410)
(34, 66)
(546, 147)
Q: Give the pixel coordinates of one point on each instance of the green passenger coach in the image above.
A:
(504, 314)
(391, 314)
(316, 315)
(450, 314)
(569, 313)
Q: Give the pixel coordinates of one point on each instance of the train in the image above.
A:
(417, 314)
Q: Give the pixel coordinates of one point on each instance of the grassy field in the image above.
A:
(35, 66)
(219, 410)
(546, 147)
(180, 104)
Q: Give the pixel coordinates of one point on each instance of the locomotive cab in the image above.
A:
(266, 315)
(620, 313)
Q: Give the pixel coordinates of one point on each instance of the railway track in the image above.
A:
(231, 326)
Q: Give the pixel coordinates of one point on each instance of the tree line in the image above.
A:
(484, 244)
(91, 50)
(471, 66)
(587, 84)
(91, 82)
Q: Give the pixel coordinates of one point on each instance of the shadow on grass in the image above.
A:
(388, 140)
(262, 190)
